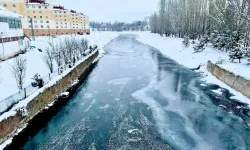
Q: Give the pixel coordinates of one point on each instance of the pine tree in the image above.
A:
(186, 41)
(200, 47)
(237, 52)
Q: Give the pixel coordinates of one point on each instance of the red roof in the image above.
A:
(58, 7)
(36, 1)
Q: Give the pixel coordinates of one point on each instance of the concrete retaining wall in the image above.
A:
(238, 83)
(9, 125)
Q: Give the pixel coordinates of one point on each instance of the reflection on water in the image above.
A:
(138, 99)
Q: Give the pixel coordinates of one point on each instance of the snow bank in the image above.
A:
(173, 48)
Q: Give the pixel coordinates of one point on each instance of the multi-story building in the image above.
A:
(11, 34)
(47, 19)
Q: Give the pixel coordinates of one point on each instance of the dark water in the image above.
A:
(138, 99)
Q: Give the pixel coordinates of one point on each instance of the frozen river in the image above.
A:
(136, 98)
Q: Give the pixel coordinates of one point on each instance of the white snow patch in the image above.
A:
(132, 131)
(203, 84)
(105, 106)
(223, 106)
(64, 94)
(218, 91)
(121, 81)
(88, 95)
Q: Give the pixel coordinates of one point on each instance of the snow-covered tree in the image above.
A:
(200, 47)
(18, 70)
(237, 52)
(186, 41)
(84, 44)
(48, 58)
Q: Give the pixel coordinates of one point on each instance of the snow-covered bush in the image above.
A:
(199, 47)
(186, 41)
(237, 52)
(22, 111)
(37, 81)
(220, 61)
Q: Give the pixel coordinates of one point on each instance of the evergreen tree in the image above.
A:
(237, 52)
(186, 41)
(199, 47)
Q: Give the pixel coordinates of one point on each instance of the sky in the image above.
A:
(111, 10)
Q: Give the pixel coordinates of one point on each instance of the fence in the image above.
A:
(7, 103)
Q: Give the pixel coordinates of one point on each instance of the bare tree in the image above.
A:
(84, 44)
(58, 55)
(49, 58)
(70, 48)
(18, 70)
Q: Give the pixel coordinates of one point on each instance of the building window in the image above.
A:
(27, 6)
(33, 6)
(28, 11)
(36, 30)
(35, 21)
(56, 26)
(47, 21)
(45, 7)
(40, 12)
(41, 21)
(41, 16)
(13, 5)
(47, 17)
(65, 19)
(14, 11)
(36, 26)
(41, 26)
(34, 16)
(4, 5)
(47, 26)
(39, 7)
(29, 26)
(34, 11)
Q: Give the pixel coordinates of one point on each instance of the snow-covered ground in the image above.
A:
(35, 63)
(173, 48)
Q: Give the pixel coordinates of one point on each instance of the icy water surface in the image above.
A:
(138, 99)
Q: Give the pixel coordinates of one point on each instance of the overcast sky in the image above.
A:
(111, 10)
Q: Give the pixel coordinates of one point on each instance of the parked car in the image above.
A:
(80, 33)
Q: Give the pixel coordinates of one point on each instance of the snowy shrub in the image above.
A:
(186, 41)
(37, 81)
(237, 52)
(199, 47)
(220, 61)
(22, 111)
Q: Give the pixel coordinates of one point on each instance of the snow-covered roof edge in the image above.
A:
(6, 13)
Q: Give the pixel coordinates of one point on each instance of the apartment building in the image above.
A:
(11, 34)
(47, 19)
